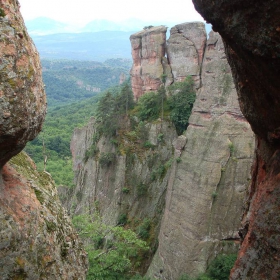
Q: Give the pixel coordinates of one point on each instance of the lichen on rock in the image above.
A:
(37, 239)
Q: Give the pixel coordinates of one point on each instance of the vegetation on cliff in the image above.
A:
(111, 249)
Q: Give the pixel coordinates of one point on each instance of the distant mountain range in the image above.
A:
(98, 40)
(46, 26)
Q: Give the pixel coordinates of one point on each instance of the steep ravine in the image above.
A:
(196, 207)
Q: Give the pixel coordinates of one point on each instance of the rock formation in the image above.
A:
(197, 206)
(157, 62)
(148, 54)
(22, 95)
(250, 31)
(37, 240)
(205, 198)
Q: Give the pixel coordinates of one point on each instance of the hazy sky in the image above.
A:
(84, 11)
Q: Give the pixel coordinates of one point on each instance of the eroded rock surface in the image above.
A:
(37, 240)
(157, 62)
(148, 50)
(204, 200)
(250, 31)
(22, 95)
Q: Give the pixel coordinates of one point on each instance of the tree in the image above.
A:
(181, 103)
(110, 248)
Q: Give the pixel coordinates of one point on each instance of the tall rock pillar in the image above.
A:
(204, 200)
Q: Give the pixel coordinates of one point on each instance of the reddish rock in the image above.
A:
(250, 30)
(22, 95)
(37, 239)
(148, 50)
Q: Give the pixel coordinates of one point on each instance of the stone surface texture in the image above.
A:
(148, 50)
(250, 31)
(124, 187)
(154, 58)
(22, 95)
(205, 198)
(37, 239)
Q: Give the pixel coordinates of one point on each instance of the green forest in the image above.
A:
(68, 81)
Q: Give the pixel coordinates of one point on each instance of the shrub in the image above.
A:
(148, 145)
(144, 228)
(178, 159)
(141, 189)
(149, 106)
(181, 103)
(125, 190)
(2, 13)
(220, 267)
(122, 220)
(106, 159)
(91, 152)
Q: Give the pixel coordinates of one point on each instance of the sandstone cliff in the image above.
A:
(251, 35)
(157, 61)
(37, 240)
(124, 188)
(204, 200)
(148, 54)
(196, 206)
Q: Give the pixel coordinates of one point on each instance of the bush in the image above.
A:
(122, 220)
(106, 159)
(144, 228)
(220, 267)
(149, 106)
(141, 189)
(91, 152)
(181, 103)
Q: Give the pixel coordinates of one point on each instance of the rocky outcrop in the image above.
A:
(204, 200)
(37, 240)
(157, 62)
(197, 204)
(148, 54)
(22, 95)
(107, 184)
(251, 35)
(185, 49)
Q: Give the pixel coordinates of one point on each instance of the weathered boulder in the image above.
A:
(37, 239)
(148, 51)
(22, 95)
(204, 200)
(250, 31)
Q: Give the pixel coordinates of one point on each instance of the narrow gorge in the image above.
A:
(195, 205)
(211, 190)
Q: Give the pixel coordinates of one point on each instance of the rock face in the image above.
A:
(157, 62)
(196, 206)
(185, 49)
(37, 240)
(204, 200)
(22, 95)
(251, 35)
(148, 51)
